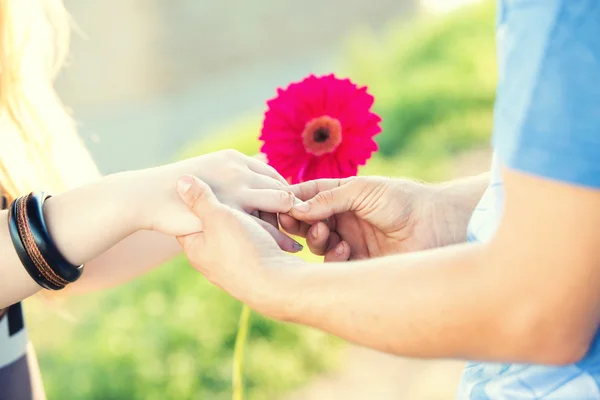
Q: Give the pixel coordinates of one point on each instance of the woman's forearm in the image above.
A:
(84, 223)
(128, 259)
(89, 220)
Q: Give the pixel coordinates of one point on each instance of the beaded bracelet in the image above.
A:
(34, 246)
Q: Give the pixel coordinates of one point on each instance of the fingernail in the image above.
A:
(314, 232)
(184, 184)
(301, 206)
(297, 246)
(339, 250)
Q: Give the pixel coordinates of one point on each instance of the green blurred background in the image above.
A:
(169, 334)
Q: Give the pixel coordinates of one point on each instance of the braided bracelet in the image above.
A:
(35, 248)
(44, 242)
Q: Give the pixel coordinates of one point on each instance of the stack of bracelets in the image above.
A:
(36, 249)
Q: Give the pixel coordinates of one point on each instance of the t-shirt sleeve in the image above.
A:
(547, 115)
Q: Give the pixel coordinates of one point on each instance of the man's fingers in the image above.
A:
(320, 239)
(268, 200)
(325, 204)
(197, 195)
(292, 226)
(307, 190)
(341, 252)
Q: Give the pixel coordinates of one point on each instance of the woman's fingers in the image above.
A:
(267, 200)
(270, 218)
(262, 168)
(285, 242)
(257, 181)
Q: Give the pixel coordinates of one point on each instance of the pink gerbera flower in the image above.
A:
(321, 127)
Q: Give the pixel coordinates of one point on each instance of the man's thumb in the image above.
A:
(324, 204)
(197, 195)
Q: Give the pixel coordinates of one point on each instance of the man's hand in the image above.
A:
(233, 251)
(372, 216)
(529, 295)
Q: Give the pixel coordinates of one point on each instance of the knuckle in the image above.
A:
(284, 198)
(201, 192)
(325, 198)
(196, 202)
(192, 195)
(230, 156)
(261, 157)
(236, 155)
(230, 153)
(315, 246)
(359, 181)
(280, 185)
(305, 189)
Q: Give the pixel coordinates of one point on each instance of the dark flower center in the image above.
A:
(321, 135)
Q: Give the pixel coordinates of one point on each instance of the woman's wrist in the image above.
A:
(88, 220)
(135, 192)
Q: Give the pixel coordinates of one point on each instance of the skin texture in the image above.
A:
(389, 216)
(116, 219)
(529, 295)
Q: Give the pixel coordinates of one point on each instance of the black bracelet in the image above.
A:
(37, 224)
(26, 260)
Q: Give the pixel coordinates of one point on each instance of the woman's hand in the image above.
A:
(232, 251)
(243, 183)
(372, 216)
(87, 221)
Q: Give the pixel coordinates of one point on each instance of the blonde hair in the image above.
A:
(39, 147)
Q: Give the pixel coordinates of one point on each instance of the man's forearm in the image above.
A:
(465, 192)
(439, 303)
(453, 203)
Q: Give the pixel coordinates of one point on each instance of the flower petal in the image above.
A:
(314, 97)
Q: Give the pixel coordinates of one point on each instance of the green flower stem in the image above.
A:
(238, 353)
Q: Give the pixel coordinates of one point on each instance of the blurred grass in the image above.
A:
(430, 78)
(170, 335)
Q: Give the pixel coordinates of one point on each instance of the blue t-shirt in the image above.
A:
(547, 123)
